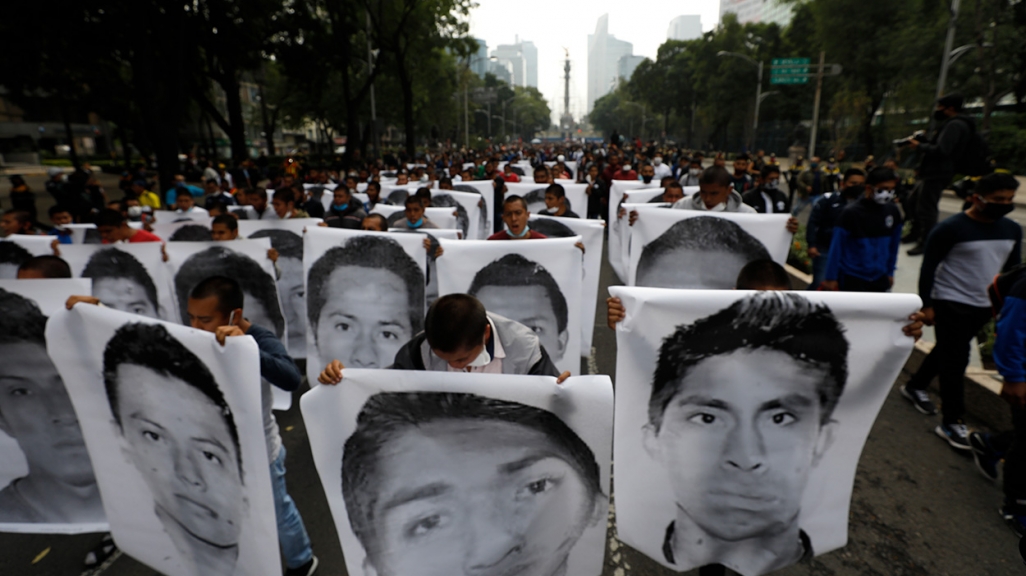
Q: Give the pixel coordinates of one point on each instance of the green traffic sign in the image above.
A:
(785, 71)
(790, 62)
(789, 79)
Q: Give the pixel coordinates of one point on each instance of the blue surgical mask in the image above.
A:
(341, 206)
(527, 230)
(417, 224)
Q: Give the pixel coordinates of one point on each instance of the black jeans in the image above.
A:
(854, 284)
(1013, 446)
(956, 325)
(927, 209)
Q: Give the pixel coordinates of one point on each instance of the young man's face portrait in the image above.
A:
(179, 442)
(693, 268)
(340, 197)
(372, 225)
(530, 306)
(124, 294)
(553, 202)
(738, 441)
(281, 208)
(484, 498)
(515, 216)
(542, 177)
(414, 212)
(9, 225)
(221, 233)
(185, 202)
(293, 300)
(36, 411)
(402, 179)
(673, 194)
(258, 200)
(366, 317)
(61, 218)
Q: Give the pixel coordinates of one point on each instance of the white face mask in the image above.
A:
(694, 171)
(657, 161)
(626, 167)
(881, 196)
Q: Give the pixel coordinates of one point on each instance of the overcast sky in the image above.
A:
(554, 24)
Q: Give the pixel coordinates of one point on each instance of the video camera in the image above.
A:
(919, 136)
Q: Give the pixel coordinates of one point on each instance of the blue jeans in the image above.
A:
(295, 544)
(819, 264)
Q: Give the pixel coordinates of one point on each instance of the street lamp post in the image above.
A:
(758, 88)
(949, 42)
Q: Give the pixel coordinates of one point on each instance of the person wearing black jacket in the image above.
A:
(766, 197)
(937, 167)
(344, 212)
(825, 213)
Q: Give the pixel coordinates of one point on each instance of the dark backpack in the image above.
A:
(974, 159)
(1002, 285)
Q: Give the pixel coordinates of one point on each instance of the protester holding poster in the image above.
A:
(515, 215)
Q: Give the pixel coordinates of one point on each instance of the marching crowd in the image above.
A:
(856, 215)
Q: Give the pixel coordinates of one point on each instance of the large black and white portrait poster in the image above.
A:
(618, 226)
(287, 238)
(741, 416)
(645, 201)
(469, 211)
(438, 474)
(695, 249)
(591, 233)
(128, 277)
(534, 195)
(486, 189)
(17, 248)
(174, 427)
(46, 477)
(364, 296)
(533, 282)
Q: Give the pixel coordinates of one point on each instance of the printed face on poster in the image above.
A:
(174, 427)
(128, 277)
(442, 474)
(468, 208)
(46, 477)
(618, 227)
(365, 296)
(691, 249)
(534, 195)
(741, 416)
(532, 282)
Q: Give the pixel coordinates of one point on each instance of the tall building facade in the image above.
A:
(626, 64)
(758, 11)
(521, 59)
(685, 28)
(604, 53)
(479, 60)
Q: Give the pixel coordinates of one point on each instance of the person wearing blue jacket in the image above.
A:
(962, 256)
(988, 449)
(864, 249)
(826, 211)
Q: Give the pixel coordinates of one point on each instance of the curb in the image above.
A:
(982, 387)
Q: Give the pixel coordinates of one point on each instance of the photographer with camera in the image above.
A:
(949, 150)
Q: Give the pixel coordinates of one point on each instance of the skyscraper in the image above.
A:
(530, 62)
(522, 60)
(604, 53)
(626, 64)
(685, 28)
(758, 11)
(479, 60)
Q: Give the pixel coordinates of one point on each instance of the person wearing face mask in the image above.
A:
(963, 254)
(741, 180)
(647, 173)
(825, 212)
(864, 249)
(461, 336)
(661, 170)
(344, 211)
(716, 194)
(598, 193)
(767, 198)
(811, 186)
(626, 172)
(694, 171)
(940, 154)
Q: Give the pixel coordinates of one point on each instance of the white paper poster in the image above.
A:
(287, 238)
(617, 226)
(534, 282)
(46, 478)
(17, 248)
(129, 277)
(364, 295)
(441, 217)
(591, 233)
(672, 248)
(169, 216)
(183, 231)
(534, 195)
(427, 471)
(173, 424)
(486, 189)
(741, 416)
(469, 216)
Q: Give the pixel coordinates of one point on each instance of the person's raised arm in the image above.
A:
(276, 366)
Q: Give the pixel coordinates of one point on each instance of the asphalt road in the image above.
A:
(918, 508)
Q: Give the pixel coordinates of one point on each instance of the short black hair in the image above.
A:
(956, 101)
(769, 169)
(57, 209)
(742, 156)
(556, 190)
(193, 233)
(381, 220)
(514, 198)
(702, 233)
(880, 174)
(673, 184)
(369, 251)
(715, 175)
(853, 172)
(227, 291)
(411, 201)
(20, 320)
(759, 274)
(374, 184)
(110, 217)
(183, 191)
(221, 261)
(552, 227)
(286, 242)
(544, 169)
(231, 222)
(286, 195)
(773, 320)
(114, 263)
(49, 265)
(455, 322)
(13, 253)
(515, 270)
(387, 415)
(424, 193)
(995, 182)
(152, 347)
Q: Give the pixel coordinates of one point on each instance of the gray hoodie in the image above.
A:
(694, 202)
